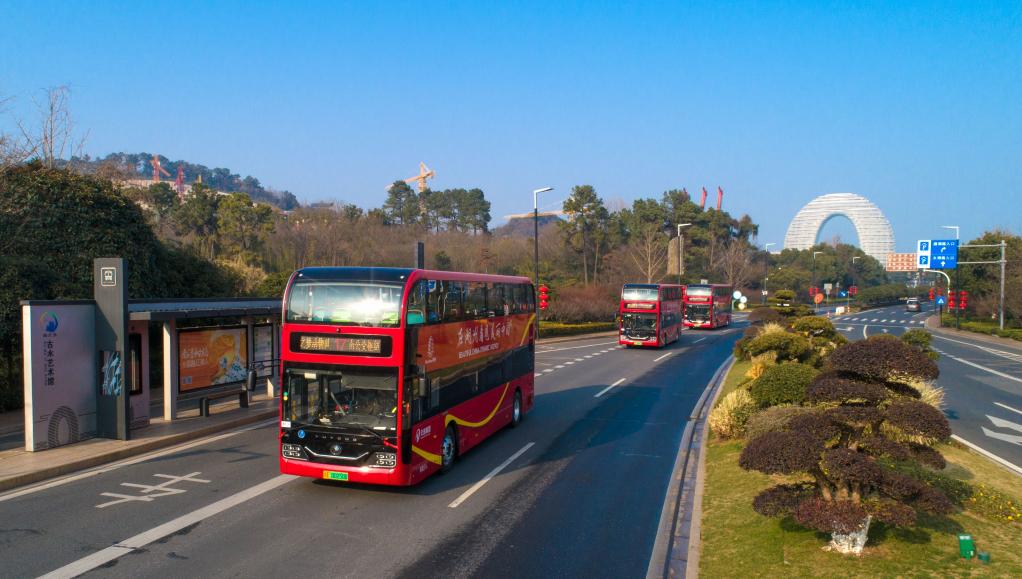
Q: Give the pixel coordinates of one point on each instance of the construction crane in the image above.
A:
(179, 183)
(157, 169)
(425, 173)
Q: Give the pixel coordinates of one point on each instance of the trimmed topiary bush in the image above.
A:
(764, 316)
(774, 419)
(782, 384)
(788, 346)
(870, 422)
(728, 418)
(920, 339)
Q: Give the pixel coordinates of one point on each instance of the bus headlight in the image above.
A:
(385, 459)
(291, 450)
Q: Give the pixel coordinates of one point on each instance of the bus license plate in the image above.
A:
(331, 475)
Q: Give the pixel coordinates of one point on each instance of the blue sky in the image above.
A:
(915, 105)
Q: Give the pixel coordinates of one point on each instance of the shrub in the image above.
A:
(764, 316)
(782, 384)
(814, 326)
(841, 517)
(788, 346)
(928, 392)
(741, 346)
(920, 340)
(760, 364)
(879, 358)
(781, 453)
(728, 418)
(593, 303)
(918, 420)
(782, 500)
(831, 387)
(773, 419)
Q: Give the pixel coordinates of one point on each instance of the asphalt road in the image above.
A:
(581, 494)
(982, 381)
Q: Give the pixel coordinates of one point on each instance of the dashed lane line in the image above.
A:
(538, 351)
(662, 357)
(608, 388)
(465, 495)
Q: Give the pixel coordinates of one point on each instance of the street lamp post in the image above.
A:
(536, 228)
(958, 311)
(681, 253)
(848, 293)
(766, 270)
(815, 253)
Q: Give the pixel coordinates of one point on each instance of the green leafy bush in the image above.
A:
(920, 339)
(782, 384)
(728, 418)
(880, 358)
(764, 316)
(773, 419)
(788, 346)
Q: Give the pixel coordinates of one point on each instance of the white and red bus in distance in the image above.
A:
(707, 305)
(650, 314)
(389, 374)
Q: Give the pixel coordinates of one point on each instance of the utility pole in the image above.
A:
(535, 227)
(1004, 262)
(766, 270)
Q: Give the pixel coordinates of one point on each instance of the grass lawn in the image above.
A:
(738, 542)
(734, 378)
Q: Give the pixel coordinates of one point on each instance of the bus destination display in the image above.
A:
(340, 344)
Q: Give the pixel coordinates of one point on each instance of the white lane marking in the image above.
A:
(597, 353)
(465, 495)
(864, 336)
(875, 320)
(1008, 407)
(99, 558)
(164, 489)
(662, 357)
(988, 454)
(537, 375)
(559, 366)
(984, 368)
(588, 356)
(607, 389)
(1002, 423)
(128, 462)
(578, 359)
(568, 363)
(699, 340)
(1007, 355)
(573, 347)
(548, 370)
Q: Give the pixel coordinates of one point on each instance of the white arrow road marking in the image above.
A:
(1002, 423)
(1005, 437)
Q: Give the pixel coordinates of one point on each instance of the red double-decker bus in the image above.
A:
(707, 305)
(650, 314)
(389, 374)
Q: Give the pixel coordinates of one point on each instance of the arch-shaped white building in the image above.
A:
(876, 236)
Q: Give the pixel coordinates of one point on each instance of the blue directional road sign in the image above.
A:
(941, 301)
(944, 254)
(843, 294)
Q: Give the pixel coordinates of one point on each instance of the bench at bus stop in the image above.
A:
(240, 390)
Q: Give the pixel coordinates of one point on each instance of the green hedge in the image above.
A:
(554, 329)
(984, 327)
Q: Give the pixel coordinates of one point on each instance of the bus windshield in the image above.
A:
(356, 304)
(342, 396)
(638, 324)
(640, 293)
(697, 313)
(699, 290)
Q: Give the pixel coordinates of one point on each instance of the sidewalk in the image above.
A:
(932, 325)
(19, 467)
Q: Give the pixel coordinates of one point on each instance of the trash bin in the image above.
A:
(966, 546)
(985, 557)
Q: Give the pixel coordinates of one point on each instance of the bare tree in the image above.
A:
(734, 263)
(15, 149)
(648, 252)
(56, 132)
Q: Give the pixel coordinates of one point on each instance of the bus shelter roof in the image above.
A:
(175, 309)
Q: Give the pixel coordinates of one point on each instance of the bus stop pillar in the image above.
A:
(170, 370)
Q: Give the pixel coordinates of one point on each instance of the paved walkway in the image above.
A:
(19, 467)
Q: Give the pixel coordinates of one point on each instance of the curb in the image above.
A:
(674, 552)
(114, 455)
(931, 325)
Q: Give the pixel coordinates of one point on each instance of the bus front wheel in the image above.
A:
(516, 409)
(449, 448)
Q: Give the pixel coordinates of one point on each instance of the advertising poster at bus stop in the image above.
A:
(263, 350)
(211, 357)
(61, 369)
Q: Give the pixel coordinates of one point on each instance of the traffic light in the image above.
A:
(813, 290)
(931, 294)
(544, 297)
(963, 299)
